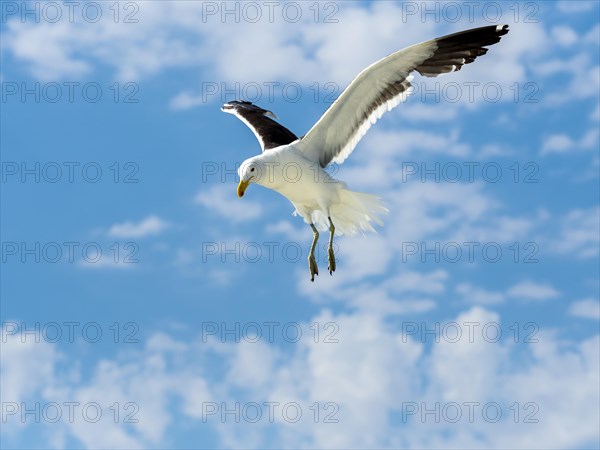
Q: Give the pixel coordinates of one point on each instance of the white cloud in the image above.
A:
(595, 115)
(527, 290)
(411, 281)
(374, 368)
(582, 84)
(109, 261)
(573, 7)
(112, 382)
(237, 50)
(557, 143)
(185, 100)
(252, 364)
(424, 215)
(67, 49)
(587, 308)
(359, 374)
(477, 295)
(21, 360)
(466, 367)
(288, 230)
(562, 143)
(491, 150)
(135, 385)
(441, 212)
(222, 200)
(417, 290)
(564, 35)
(530, 290)
(593, 36)
(413, 110)
(578, 235)
(45, 49)
(150, 226)
(221, 277)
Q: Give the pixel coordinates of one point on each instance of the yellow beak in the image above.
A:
(242, 187)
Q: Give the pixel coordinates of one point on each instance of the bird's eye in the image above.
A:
(252, 170)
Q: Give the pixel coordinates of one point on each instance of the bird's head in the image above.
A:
(249, 172)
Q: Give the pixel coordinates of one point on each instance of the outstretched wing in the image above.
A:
(384, 84)
(268, 132)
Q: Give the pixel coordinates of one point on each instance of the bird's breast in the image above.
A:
(309, 186)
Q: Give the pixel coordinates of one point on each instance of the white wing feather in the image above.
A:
(384, 85)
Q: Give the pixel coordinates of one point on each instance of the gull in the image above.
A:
(295, 167)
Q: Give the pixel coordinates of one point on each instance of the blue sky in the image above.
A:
(113, 141)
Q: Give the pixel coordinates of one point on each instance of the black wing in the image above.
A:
(269, 133)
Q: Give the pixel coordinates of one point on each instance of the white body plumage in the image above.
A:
(313, 192)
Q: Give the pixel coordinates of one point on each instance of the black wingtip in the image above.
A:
(271, 134)
(501, 30)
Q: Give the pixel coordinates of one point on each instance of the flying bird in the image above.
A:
(295, 167)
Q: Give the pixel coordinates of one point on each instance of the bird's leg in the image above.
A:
(312, 263)
(330, 254)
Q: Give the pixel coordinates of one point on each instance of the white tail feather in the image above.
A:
(355, 212)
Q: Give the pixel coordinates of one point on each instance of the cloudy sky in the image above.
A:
(145, 306)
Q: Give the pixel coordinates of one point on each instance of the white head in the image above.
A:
(249, 172)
